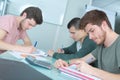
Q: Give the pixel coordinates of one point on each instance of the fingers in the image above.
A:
(78, 67)
(32, 49)
(81, 66)
(60, 63)
(26, 49)
(50, 53)
(60, 51)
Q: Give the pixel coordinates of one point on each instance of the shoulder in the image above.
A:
(7, 18)
(88, 41)
(74, 43)
(118, 41)
(7, 22)
(116, 44)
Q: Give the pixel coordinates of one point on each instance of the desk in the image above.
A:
(53, 74)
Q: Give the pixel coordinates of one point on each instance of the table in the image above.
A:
(53, 73)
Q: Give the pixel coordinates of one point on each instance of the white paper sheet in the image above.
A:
(22, 55)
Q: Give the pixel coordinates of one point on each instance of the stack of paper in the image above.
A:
(74, 73)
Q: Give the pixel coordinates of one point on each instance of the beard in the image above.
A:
(100, 40)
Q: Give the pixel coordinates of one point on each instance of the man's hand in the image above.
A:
(85, 68)
(60, 63)
(50, 53)
(60, 51)
(27, 49)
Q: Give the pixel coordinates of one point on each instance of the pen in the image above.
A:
(35, 44)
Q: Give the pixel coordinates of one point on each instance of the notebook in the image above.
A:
(14, 70)
(72, 72)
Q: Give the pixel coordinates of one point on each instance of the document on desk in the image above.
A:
(21, 55)
(72, 72)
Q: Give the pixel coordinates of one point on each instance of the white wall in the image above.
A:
(51, 36)
(75, 8)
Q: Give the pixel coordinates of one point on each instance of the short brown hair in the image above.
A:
(75, 22)
(94, 17)
(35, 13)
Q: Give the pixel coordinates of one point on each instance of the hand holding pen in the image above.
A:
(35, 45)
(26, 49)
(60, 50)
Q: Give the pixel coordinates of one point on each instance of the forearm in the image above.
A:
(7, 46)
(61, 56)
(89, 58)
(104, 75)
(68, 56)
(27, 41)
(68, 51)
(71, 49)
(27, 44)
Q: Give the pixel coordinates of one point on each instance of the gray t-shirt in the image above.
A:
(108, 58)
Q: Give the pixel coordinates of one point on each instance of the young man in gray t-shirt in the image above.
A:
(97, 25)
